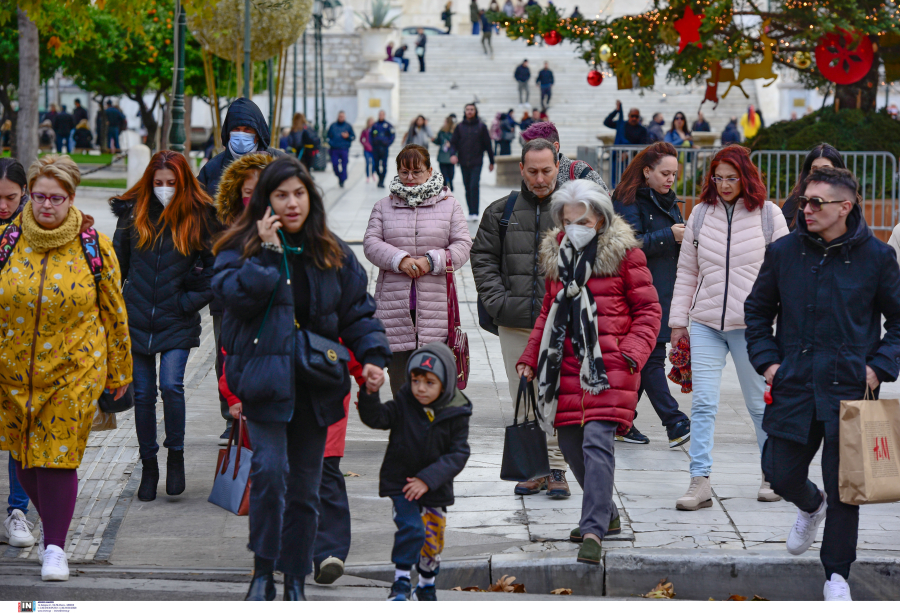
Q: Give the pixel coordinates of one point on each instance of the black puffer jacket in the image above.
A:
(242, 112)
(512, 293)
(434, 451)
(261, 373)
(652, 216)
(163, 289)
(470, 141)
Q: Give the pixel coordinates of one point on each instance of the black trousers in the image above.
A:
(285, 474)
(421, 62)
(380, 155)
(333, 537)
(786, 466)
(220, 361)
(448, 170)
(654, 382)
(505, 147)
(471, 176)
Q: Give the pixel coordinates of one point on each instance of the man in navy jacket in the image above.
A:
(829, 282)
(340, 135)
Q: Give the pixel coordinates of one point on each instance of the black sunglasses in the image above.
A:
(815, 203)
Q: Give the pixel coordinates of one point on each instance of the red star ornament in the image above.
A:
(689, 28)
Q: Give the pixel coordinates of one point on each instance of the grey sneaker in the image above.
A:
(18, 530)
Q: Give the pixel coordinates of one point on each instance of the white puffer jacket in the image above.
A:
(716, 276)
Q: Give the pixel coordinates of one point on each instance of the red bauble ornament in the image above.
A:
(844, 57)
(552, 37)
(594, 78)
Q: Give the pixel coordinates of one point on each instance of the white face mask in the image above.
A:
(164, 194)
(580, 236)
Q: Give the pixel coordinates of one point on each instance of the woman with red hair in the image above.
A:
(724, 243)
(162, 240)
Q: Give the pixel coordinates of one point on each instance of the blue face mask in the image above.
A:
(241, 142)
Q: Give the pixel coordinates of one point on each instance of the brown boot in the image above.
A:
(532, 486)
(556, 485)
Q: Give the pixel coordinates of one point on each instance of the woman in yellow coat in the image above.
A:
(63, 340)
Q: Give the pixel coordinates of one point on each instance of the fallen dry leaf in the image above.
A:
(350, 475)
(737, 598)
(562, 591)
(505, 584)
(758, 599)
(471, 588)
(662, 590)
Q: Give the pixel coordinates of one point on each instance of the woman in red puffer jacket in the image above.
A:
(597, 328)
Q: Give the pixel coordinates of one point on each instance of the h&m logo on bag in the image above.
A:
(882, 450)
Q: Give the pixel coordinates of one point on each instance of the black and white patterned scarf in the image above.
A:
(573, 309)
(417, 194)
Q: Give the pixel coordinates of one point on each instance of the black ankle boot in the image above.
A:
(175, 472)
(149, 480)
(262, 587)
(294, 587)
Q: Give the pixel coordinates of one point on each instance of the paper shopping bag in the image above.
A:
(870, 451)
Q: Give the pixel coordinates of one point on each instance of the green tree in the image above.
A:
(730, 32)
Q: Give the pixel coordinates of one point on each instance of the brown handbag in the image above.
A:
(231, 488)
(457, 340)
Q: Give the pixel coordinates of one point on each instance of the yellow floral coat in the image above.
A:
(58, 349)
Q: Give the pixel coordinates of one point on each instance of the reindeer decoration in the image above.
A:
(762, 70)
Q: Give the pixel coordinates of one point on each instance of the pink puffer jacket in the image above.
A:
(715, 277)
(397, 230)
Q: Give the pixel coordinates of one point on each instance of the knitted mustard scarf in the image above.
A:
(43, 240)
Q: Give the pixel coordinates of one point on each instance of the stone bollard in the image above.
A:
(138, 160)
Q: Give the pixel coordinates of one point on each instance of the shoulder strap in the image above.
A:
(699, 216)
(90, 245)
(584, 173)
(507, 213)
(8, 241)
(768, 224)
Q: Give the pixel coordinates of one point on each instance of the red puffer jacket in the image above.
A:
(628, 320)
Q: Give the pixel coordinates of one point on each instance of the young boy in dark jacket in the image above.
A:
(428, 447)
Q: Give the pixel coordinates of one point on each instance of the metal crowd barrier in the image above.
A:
(876, 171)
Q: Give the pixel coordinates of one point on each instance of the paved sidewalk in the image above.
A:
(186, 531)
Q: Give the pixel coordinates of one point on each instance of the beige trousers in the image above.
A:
(512, 345)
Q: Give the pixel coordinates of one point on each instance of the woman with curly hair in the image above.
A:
(723, 246)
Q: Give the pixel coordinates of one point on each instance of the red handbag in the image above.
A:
(457, 340)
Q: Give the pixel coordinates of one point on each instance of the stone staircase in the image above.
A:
(458, 72)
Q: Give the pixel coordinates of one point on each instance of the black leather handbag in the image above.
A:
(107, 403)
(320, 362)
(525, 445)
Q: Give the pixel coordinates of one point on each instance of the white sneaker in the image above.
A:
(41, 544)
(55, 567)
(18, 530)
(803, 534)
(473, 217)
(837, 589)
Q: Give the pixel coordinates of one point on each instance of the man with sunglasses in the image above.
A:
(829, 282)
(630, 132)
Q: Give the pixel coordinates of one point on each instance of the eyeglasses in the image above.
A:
(634, 116)
(410, 174)
(729, 180)
(55, 200)
(815, 203)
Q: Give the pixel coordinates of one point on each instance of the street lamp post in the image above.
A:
(324, 15)
(246, 48)
(176, 132)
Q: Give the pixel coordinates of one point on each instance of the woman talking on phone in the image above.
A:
(291, 290)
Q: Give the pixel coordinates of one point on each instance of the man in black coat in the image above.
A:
(79, 113)
(63, 126)
(829, 282)
(244, 131)
(522, 76)
(470, 141)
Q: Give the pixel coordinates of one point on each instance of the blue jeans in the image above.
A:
(476, 27)
(370, 163)
(403, 62)
(708, 350)
(18, 499)
(171, 385)
(339, 160)
(414, 544)
(113, 135)
(285, 475)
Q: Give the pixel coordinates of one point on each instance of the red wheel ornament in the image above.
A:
(844, 57)
(594, 78)
(552, 38)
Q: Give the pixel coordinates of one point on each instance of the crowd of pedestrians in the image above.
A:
(584, 287)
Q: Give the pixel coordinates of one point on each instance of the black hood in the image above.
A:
(857, 229)
(244, 112)
(443, 354)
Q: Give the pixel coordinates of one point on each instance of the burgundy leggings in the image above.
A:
(55, 489)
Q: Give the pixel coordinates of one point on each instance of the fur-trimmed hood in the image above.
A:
(228, 199)
(612, 246)
(120, 208)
